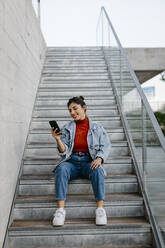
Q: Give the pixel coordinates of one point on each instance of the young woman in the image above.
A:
(84, 146)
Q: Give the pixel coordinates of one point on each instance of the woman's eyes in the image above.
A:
(70, 110)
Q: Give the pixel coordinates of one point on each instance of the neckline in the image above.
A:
(85, 120)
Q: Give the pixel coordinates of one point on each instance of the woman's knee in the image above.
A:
(97, 172)
(62, 169)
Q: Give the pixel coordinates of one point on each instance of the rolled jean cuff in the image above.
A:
(60, 199)
(100, 199)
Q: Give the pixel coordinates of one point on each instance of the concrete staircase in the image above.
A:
(72, 72)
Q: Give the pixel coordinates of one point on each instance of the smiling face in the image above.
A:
(77, 112)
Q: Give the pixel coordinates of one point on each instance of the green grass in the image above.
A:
(161, 120)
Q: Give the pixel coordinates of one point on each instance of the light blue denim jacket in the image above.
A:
(97, 139)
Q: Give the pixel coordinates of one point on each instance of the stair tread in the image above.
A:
(64, 108)
(82, 223)
(78, 198)
(47, 130)
(49, 179)
(113, 143)
(52, 144)
(84, 89)
(65, 118)
(45, 176)
(112, 158)
(146, 246)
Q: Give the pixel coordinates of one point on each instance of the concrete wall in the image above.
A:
(147, 59)
(146, 62)
(22, 51)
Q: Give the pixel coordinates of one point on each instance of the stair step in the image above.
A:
(107, 122)
(80, 82)
(90, 108)
(66, 98)
(110, 160)
(56, 113)
(74, 49)
(75, 74)
(45, 137)
(87, 58)
(109, 131)
(63, 111)
(77, 206)
(74, 63)
(64, 86)
(51, 151)
(75, 67)
(80, 233)
(75, 54)
(78, 54)
(39, 185)
(90, 103)
(76, 92)
(77, 77)
(46, 166)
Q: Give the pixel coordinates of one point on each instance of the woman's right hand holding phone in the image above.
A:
(56, 134)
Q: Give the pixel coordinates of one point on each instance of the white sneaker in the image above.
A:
(101, 218)
(59, 217)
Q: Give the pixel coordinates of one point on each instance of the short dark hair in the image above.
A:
(78, 100)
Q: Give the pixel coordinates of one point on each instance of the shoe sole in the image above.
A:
(101, 224)
(58, 225)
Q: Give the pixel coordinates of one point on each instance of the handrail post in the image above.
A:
(102, 26)
(121, 83)
(144, 154)
(109, 45)
(39, 12)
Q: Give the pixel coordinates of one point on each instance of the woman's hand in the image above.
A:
(96, 163)
(56, 135)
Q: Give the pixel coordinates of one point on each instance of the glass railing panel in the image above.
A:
(149, 152)
(154, 168)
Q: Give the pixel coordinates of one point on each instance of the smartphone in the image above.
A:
(54, 125)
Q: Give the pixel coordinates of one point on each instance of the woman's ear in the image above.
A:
(84, 107)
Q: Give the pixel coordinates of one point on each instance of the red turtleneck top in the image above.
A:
(80, 140)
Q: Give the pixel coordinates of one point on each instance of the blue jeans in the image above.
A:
(78, 166)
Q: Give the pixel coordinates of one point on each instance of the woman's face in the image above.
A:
(77, 112)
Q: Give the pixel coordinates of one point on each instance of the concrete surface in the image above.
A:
(22, 52)
(146, 62)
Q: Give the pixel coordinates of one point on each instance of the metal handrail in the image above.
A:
(39, 12)
(141, 93)
(155, 228)
(97, 27)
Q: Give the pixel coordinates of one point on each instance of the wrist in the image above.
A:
(57, 138)
(100, 159)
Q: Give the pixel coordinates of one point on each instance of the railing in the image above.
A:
(146, 140)
(37, 7)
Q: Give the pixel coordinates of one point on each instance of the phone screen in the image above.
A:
(54, 125)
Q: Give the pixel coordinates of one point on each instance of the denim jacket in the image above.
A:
(97, 140)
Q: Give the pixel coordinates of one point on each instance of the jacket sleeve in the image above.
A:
(65, 140)
(104, 146)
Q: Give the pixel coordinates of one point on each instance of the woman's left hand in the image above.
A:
(96, 163)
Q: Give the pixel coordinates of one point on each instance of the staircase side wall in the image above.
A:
(22, 52)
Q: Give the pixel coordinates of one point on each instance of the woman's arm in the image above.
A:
(60, 145)
(104, 145)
